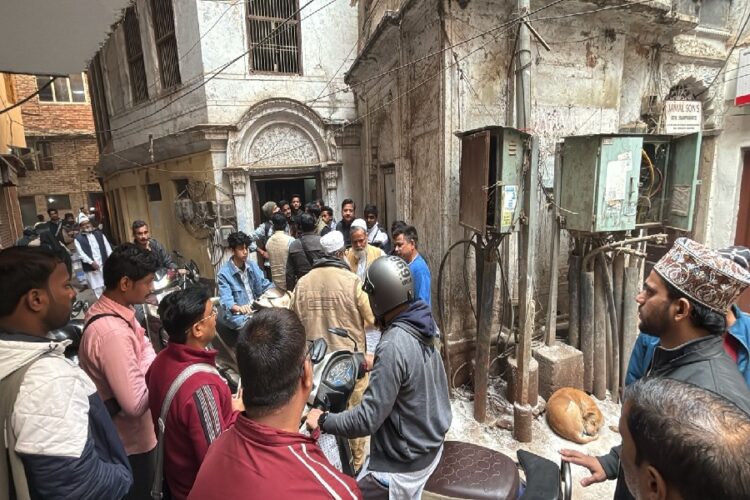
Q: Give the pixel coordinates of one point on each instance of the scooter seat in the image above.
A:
(470, 471)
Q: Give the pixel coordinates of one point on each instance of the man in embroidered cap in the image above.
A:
(683, 302)
(736, 340)
(329, 296)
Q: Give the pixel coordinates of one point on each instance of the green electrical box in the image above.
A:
(492, 162)
(599, 185)
(620, 182)
(668, 181)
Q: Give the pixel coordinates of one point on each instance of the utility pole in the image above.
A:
(522, 407)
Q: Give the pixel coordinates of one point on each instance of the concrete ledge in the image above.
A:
(559, 366)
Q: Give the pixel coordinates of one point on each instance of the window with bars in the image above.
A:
(162, 12)
(63, 89)
(134, 51)
(274, 43)
(40, 155)
(99, 102)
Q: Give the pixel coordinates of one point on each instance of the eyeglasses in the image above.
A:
(214, 312)
(308, 354)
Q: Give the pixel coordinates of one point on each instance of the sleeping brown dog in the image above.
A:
(573, 415)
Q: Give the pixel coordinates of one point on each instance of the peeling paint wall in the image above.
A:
(592, 81)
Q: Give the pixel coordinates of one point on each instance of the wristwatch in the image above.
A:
(321, 419)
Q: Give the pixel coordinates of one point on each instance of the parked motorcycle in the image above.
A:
(73, 330)
(465, 471)
(227, 333)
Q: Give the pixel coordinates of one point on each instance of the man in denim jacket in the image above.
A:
(240, 281)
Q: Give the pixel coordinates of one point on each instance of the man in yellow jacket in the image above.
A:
(329, 296)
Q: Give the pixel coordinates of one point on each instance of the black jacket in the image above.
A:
(701, 362)
(303, 252)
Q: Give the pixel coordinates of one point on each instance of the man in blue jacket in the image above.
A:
(60, 441)
(240, 281)
(736, 341)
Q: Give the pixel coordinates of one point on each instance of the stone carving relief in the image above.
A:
(281, 144)
(238, 179)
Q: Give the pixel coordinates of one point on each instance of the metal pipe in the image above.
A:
(618, 275)
(613, 355)
(631, 284)
(574, 300)
(484, 329)
(587, 329)
(660, 238)
(551, 322)
(600, 332)
(523, 68)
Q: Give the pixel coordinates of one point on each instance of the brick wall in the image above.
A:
(69, 128)
(73, 162)
(52, 118)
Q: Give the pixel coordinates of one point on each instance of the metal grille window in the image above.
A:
(162, 12)
(134, 51)
(278, 52)
(39, 156)
(63, 89)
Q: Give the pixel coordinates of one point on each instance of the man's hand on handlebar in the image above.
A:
(591, 463)
(182, 271)
(246, 309)
(312, 418)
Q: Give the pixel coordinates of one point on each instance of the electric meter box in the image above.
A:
(492, 162)
(668, 181)
(620, 182)
(599, 185)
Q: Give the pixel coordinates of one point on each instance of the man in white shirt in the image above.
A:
(93, 248)
(376, 236)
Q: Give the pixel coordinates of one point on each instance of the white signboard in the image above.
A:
(683, 117)
(743, 78)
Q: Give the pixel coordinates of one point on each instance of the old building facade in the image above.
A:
(430, 68)
(61, 151)
(234, 103)
(12, 139)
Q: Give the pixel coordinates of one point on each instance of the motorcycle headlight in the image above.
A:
(341, 373)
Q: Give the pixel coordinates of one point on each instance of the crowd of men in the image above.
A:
(125, 418)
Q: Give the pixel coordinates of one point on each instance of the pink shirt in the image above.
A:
(117, 356)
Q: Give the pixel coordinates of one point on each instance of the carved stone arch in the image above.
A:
(279, 132)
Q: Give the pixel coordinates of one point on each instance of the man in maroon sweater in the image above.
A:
(263, 455)
(203, 406)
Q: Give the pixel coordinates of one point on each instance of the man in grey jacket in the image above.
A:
(406, 408)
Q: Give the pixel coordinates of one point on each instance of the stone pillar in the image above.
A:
(330, 173)
(238, 179)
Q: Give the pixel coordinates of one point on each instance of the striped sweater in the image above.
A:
(200, 411)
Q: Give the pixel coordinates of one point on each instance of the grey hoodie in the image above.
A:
(406, 408)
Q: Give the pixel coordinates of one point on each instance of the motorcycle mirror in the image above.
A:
(340, 332)
(318, 351)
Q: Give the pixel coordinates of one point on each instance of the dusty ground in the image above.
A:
(545, 442)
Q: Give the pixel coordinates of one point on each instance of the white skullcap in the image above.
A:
(81, 220)
(332, 242)
(358, 223)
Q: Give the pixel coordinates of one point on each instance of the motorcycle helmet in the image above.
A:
(388, 283)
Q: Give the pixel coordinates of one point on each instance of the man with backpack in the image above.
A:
(116, 354)
(303, 251)
(59, 441)
(186, 393)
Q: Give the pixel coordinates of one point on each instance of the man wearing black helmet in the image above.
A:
(405, 408)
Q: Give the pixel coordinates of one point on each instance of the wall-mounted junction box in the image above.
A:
(619, 182)
(492, 162)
